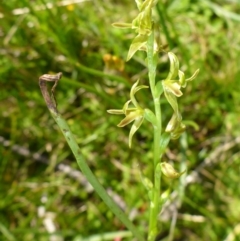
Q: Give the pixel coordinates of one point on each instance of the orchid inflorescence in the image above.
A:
(171, 89)
(148, 39)
(144, 26)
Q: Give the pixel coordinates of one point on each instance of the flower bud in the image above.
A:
(169, 171)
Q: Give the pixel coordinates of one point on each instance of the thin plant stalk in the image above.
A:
(51, 104)
(154, 204)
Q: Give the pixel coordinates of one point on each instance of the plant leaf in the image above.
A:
(158, 89)
(150, 116)
(137, 43)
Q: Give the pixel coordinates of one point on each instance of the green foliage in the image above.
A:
(74, 39)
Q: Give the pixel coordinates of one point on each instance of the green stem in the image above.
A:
(92, 89)
(101, 74)
(155, 200)
(90, 176)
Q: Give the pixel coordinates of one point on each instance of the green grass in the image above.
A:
(73, 40)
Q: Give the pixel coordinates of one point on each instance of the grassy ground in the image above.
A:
(43, 195)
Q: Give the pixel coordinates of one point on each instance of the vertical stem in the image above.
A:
(91, 177)
(155, 199)
(52, 106)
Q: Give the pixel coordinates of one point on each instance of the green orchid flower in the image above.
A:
(169, 171)
(135, 113)
(143, 26)
(172, 90)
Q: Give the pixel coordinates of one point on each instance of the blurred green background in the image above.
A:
(43, 196)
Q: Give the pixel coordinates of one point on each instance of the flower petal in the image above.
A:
(129, 118)
(133, 88)
(169, 171)
(140, 87)
(146, 3)
(122, 25)
(174, 88)
(129, 110)
(172, 124)
(174, 66)
(182, 79)
(115, 112)
(138, 42)
(178, 131)
(193, 76)
(125, 107)
(143, 22)
(137, 123)
(133, 91)
(139, 3)
(171, 98)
